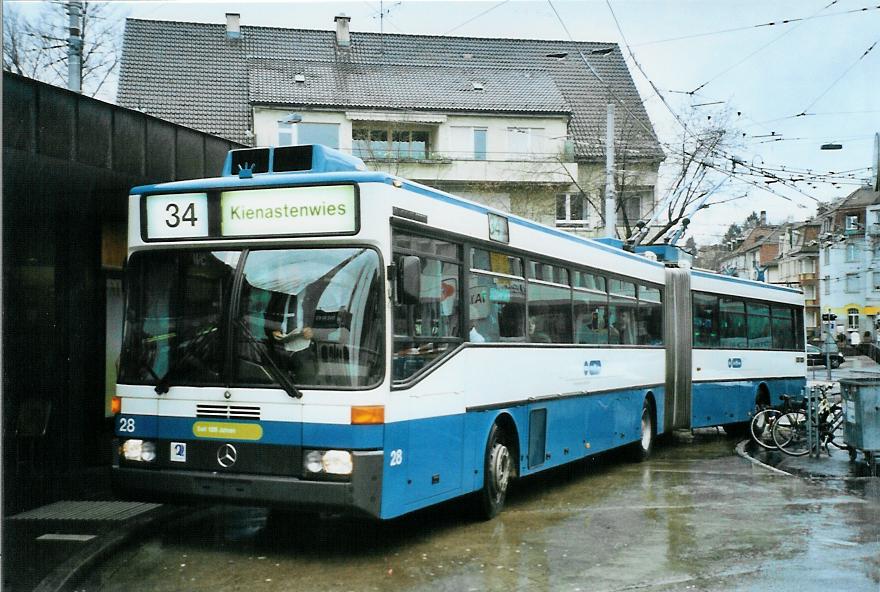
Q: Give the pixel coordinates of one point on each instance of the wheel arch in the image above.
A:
(762, 395)
(507, 424)
(652, 401)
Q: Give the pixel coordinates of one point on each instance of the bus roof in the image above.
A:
(337, 176)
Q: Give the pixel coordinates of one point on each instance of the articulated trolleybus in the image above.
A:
(301, 332)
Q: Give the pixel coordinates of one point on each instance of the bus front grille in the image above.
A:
(227, 411)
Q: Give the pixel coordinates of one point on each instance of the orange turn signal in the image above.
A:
(372, 414)
(115, 405)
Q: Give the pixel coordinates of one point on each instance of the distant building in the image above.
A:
(849, 268)
(517, 124)
(798, 266)
(754, 257)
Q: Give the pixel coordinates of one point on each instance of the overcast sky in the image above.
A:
(767, 73)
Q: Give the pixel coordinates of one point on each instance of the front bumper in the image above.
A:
(361, 495)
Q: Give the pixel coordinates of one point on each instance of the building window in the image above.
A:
(308, 133)
(852, 318)
(285, 134)
(524, 143)
(571, 209)
(390, 143)
(480, 137)
(852, 252)
(826, 281)
(828, 255)
(631, 203)
(318, 133)
(852, 282)
(852, 222)
(876, 279)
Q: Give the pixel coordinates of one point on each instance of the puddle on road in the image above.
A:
(695, 516)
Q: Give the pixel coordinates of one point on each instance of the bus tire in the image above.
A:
(641, 449)
(497, 472)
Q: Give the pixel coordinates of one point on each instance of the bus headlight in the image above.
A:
(337, 462)
(139, 450)
(331, 462)
(312, 462)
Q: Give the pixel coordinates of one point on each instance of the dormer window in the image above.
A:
(477, 86)
(299, 78)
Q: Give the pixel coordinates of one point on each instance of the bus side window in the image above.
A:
(426, 330)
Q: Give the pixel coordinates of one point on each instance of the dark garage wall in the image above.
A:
(68, 164)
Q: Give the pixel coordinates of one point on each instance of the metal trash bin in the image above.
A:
(861, 407)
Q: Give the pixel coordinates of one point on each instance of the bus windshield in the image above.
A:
(254, 318)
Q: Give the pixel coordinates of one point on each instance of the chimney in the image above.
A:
(763, 217)
(233, 25)
(343, 38)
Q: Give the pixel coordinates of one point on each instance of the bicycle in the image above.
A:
(761, 425)
(790, 431)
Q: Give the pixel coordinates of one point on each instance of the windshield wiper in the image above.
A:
(268, 364)
(189, 350)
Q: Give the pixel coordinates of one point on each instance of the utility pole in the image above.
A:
(74, 46)
(610, 210)
(828, 320)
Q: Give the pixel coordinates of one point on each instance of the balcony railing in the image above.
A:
(806, 277)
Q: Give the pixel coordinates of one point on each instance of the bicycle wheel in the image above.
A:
(790, 433)
(761, 427)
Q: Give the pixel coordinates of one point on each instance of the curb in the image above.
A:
(740, 450)
(75, 567)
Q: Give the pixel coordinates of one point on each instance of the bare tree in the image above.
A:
(37, 47)
(698, 169)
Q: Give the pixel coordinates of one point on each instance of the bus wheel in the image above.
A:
(641, 449)
(497, 471)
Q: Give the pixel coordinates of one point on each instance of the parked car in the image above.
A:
(816, 355)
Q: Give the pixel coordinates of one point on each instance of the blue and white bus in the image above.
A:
(301, 332)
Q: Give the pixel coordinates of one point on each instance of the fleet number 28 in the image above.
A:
(175, 218)
(396, 457)
(126, 424)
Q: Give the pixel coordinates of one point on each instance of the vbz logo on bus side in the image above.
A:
(734, 362)
(592, 367)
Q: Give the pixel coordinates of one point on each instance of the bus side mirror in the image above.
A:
(409, 280)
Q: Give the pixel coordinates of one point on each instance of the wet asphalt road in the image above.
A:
(694, 517)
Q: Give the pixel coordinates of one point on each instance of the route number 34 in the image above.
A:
(396, 457)
(174, 218)
(176, 215)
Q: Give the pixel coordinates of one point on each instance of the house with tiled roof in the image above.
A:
(849, 263)
(755, 254)
(518, 124)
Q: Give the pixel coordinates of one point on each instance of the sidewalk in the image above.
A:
(48, 548)
(836, 466)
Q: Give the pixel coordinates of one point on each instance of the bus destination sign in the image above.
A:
(284, 211)
(292, 210)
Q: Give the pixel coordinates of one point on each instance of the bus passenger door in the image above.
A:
(436, 444)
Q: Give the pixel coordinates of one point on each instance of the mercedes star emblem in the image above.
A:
(226, 455)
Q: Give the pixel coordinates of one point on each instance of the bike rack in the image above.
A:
(811, 400)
